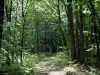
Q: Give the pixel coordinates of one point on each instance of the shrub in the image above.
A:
(61, 59)
(41, 56)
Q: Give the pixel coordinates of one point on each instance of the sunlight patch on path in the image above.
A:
(57, 73)
(47, 67)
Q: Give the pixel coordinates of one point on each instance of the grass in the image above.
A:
(29, 61)
(61, 59)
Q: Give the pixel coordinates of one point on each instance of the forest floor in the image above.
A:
(47, 67)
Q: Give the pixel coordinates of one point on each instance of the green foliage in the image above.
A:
(61, 59)
(41, 56)
(29, 61)
(28, 66)
(11, 69)
(42, 32)
(86, 33)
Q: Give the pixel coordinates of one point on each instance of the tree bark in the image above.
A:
(95, 27)
(82, 57)
(71, 30)
(22, 38)
(8, 11)
(60, 28)
(77, 36)
(1, 18)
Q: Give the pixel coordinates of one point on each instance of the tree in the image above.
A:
(8, 8)
(59, 25)
(77, 32)
(93, 13)
(1, 18)
(71, 29)
(82, 55)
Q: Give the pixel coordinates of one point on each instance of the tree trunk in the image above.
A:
(8, 11)
(77, 36)
(37, 36)
(82, 57)
(1, 18)
(60, 28)
(71, 30)
(95, 27)
(22, 38)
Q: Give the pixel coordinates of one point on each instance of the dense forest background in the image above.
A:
(31, 30)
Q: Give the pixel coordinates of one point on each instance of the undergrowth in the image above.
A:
(29, 61)
(61, 59)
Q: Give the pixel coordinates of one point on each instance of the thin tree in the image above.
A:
(23, 29)
(60, 28)
(82, 55)
(71, 29)
(93, 13)
(8, 10)
(77, 32)
(1, 18)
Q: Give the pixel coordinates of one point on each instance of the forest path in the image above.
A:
(47, 67)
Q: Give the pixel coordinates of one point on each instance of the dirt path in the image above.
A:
(47, 67)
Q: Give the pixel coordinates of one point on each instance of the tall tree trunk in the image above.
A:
(1, 19)
(71, 30)
(37, 36)
(95, 26)
(77, 36)
(45, 36)
(82, 54)
(60, 28)
(16, 53)
(8, 11)
(77, 30)
(22, 38)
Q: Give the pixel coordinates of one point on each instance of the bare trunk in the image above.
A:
(60, 28)
(77, 37)
(22, 38)
(8, 11)
(1, 19)
(95, 27)
(82, 52)
(71, 30)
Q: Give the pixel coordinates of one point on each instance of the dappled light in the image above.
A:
(49, 37)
